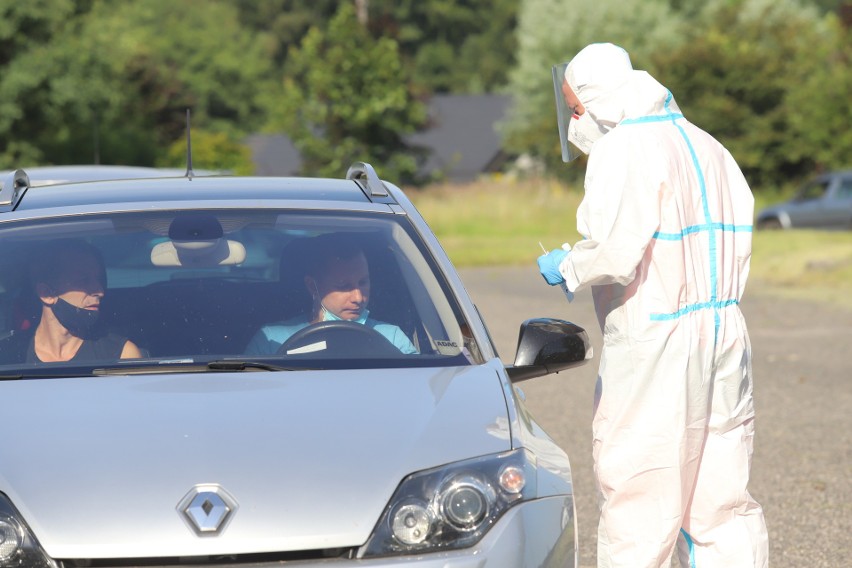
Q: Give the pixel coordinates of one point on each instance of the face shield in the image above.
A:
(564, 115)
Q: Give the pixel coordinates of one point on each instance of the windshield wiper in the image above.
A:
(222, 365)
(27, 376)
(240, 365)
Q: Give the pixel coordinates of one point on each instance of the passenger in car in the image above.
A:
(337, 277)
(69, 280)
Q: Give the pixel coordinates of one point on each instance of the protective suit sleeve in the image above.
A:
(618, 215)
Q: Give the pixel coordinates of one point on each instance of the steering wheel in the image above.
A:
(339, 340)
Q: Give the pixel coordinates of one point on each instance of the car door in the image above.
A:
(809, 207)
(837, 205)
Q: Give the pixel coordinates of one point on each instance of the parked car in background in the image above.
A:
(338, 447)
(823, 203)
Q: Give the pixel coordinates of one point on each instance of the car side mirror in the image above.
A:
(547, 345)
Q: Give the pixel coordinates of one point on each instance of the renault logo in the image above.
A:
(207, 509)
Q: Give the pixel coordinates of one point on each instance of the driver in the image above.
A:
(338, 279)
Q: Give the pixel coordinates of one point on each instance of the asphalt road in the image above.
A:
(802, 465)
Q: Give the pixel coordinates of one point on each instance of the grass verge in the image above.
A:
(501, 222)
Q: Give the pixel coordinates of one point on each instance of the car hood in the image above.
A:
(98, 466)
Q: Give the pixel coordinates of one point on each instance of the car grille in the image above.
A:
(223, 561)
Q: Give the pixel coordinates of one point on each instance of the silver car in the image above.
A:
(823, 203)
(177, 441)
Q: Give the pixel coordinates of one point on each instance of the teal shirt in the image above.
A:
(270, 338)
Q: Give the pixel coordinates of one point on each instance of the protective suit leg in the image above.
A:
(735, 536)
(649, 431)
(723, 524)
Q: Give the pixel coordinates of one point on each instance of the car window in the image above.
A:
(191, 287)
(813, 190)
(845, 189)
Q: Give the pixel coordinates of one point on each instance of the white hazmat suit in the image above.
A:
(667, 227)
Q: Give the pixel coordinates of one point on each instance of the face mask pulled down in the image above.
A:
(78, 321)
(584, 131)
(329, 316)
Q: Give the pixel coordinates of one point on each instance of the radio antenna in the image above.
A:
(189, 172)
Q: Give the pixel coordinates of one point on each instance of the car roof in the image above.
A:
(162, 190)
(51, 175)
(111, 185)
(834, 174)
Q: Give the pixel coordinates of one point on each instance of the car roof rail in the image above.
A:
(362, 171)
(14, 184)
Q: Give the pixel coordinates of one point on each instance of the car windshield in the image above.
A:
(232, 289)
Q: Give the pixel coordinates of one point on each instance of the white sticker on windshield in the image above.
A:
(447, 347)
(312, 348)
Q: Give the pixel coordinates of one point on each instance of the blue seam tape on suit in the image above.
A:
(710, 227)
(691, 546)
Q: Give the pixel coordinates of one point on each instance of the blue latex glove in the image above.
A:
(548, 265)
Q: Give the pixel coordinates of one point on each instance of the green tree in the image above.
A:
(551, 32)
(25, 28)
(210, 150)
(831, 5)
(345, 98)
(733, 76)
(818, 101)
(284, 22)
(36, 21)
(122, 74)
(448, 45)
(769, 78)
(460, 46)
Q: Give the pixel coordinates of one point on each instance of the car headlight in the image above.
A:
(452, 506)
(18, 546)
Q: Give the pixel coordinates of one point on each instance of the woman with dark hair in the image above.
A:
(70, 281)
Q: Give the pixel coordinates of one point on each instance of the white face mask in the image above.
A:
(328, 316)
(584, 131)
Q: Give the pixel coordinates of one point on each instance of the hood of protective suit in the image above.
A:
(611, 91)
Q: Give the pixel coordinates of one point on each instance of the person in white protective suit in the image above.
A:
(666, 222)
